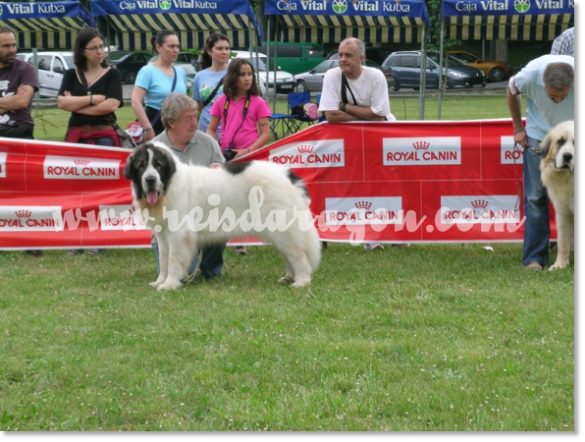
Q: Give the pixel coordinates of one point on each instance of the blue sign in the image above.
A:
(459, 8)
(101, 8)
(44, 10)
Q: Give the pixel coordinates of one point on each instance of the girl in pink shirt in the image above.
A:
(244, 115)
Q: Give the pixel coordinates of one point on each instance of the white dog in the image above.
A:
(557, 173)
(190, 206)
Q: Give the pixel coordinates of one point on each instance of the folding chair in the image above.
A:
(299, 100)
(282, 124)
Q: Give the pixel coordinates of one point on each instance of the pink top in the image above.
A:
(240, 135)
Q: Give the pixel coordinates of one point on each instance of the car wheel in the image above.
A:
(301, 87)
(395, 87)
(497, 74)
(130, 77)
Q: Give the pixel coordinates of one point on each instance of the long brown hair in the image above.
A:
(230, 85)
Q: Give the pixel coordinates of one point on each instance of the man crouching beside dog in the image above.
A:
(190, 205)
(548, 83)
(179, 118)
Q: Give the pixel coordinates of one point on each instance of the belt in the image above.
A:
(87, 128)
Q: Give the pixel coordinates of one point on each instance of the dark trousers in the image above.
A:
(24, 131)
(151, 113)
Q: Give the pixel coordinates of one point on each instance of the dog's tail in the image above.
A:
(300, 185)
(313, 247)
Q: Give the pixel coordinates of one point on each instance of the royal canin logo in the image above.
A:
(479, 204)
(120, 217)
(71, 168)
(321, 153)
(305, 148)
(23, 213)
(428, 152)
(421, 145)
(363, 205)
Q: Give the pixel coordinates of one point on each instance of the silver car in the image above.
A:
(312, 81)
(51, 67)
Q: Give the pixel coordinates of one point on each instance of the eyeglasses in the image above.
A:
(96, 48)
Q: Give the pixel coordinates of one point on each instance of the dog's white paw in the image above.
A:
(558, 266)
(170, 285)
(286, 280)
(154, 284)
(301, 283)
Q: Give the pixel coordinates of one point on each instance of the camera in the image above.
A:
(229, 154)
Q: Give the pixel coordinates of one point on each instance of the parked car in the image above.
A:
(294, 57)
(312, 81)
(377, 55)
(51, 67)
(406, 69)
(186, 61)
(128, 63)
(285, 82)
(493, 70)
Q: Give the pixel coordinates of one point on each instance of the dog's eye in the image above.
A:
(157, 163)
(561, 141)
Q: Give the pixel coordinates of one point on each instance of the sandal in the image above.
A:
(534, 266)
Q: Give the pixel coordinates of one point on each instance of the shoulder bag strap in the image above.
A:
(345, 85)
(157, 116)
(206, 102)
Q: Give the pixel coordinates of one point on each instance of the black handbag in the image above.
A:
(126, 140)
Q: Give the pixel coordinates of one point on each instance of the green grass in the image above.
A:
(51, 124)
(430, 337)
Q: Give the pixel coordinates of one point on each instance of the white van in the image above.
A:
(285, 83)
(52, 67)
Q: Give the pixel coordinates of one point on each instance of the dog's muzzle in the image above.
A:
(150, 184)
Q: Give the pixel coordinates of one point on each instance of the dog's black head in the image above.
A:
(150, 167)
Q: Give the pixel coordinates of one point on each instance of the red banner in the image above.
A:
(423, 181)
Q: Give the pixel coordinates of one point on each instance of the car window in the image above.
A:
(371, 63)
(393, 61)
(325, 66)
(314, 51)
(464, 57)
(289, 51)
(44, 62)
(58, 66)
(407, 61)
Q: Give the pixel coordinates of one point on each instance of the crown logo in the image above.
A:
(479, 204)
(305, 148)
(421, 145)
(363, 205)
(23, 213)
(82, 162)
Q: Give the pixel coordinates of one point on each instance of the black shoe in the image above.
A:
(35, 252)
(553, 246)
(214, 277)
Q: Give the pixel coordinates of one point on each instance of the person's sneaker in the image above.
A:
(534, 266)
(214, 277)
(241, 250)
(373, 246)
(404, 244)
(92, 252)
(35, 252)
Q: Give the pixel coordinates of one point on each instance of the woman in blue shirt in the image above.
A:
(155, 82)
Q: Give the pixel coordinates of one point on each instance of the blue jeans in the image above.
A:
(211, 261)
(536, 226)
(105, 141)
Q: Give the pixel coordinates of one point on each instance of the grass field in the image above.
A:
(424, 338)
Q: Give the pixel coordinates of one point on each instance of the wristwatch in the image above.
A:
(342, 107)
(146, 129)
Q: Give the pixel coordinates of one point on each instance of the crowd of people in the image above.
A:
(226, 117)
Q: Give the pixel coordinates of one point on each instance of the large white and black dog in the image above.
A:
(189, 206)
(557, 170)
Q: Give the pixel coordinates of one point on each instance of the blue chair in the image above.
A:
(296, 104)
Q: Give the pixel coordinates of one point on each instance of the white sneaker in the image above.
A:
(373, 245)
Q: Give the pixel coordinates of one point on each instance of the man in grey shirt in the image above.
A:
(179, 117)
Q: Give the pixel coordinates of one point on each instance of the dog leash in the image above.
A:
(517, 148)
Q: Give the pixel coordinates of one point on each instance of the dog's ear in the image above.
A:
(172, 168)
(129, 168)
(544, 145)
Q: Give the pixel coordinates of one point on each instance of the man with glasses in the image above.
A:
(548, 83)
(18, 84)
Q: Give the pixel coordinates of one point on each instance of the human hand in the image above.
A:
(521, 138)
(148, 135)
(97, 99)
